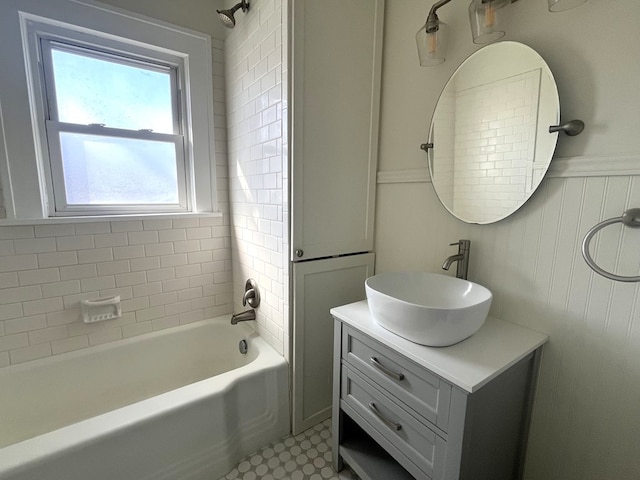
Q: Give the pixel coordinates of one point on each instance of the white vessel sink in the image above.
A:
(427, 308)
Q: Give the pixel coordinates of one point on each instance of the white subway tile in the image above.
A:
(126, 226)
(24, 324)
(59, 289)
(46, 335)
(200, 280)
(135, 304)
(175, 284)
(161, 274)
(185, 222)
(140, 238)
(163, 299)
(125, 293)
(192, 316)
(186, 246)
(174, 235)
(95, 255)
(46, 305)
(69, 344)
(27, 354)
(4, 359)
(63, 317)
(147, 289)
(9, 279)
(150, 314)
(35, 245)
(203, 302)
(98, 283)
(78, 272)
(111, 240)
(158, 249)
(111, 268)
(173, 260)
(200, 257)
(6, 247)
(92, 228)
(16, 232)
(58, 230)
(135, 278)
(12, 310)
(35, 277)
(157, 224)
(177, 308)
(76, 242)
(145, 263)
(20, 294)
(57, 259)
(198, 233)
(11, 342)
(131, 251)
(189, 294)
(188, 270)
(15, 263)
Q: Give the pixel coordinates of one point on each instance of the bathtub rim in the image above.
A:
(49, 445)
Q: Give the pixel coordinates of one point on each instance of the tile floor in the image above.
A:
(306, 456)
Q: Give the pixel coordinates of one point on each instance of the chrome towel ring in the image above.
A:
(630, 218)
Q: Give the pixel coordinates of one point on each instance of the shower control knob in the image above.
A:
(299, 252)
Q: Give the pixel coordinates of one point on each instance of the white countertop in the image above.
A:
(469, 364)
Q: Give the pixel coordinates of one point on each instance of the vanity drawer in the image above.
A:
(414, 440)
(422, 391)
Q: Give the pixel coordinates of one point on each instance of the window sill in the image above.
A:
(107, 218)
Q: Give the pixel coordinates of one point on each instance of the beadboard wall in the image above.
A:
(586, 419)
(255, 53)
(167, 272)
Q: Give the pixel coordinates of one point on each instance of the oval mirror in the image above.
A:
(490, 141)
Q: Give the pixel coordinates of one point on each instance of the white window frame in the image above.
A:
(27, 179)
(57, 199)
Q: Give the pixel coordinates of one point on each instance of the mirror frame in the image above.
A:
(544, 158)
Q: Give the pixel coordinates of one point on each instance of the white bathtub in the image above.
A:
(177, 404)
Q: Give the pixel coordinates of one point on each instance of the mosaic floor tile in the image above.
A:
(306, 456)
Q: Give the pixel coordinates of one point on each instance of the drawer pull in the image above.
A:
(385, 420)
(379, 366)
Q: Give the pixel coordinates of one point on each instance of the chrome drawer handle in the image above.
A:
(379, 366)
(385, 420)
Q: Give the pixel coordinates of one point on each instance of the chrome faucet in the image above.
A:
(462, 257)
(245, 316)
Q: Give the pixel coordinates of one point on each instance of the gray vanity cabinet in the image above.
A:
(396, 418)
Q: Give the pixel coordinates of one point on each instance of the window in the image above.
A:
(119, 117)
(113, 131)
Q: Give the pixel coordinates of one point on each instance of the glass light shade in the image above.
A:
(486, 20)
(432, 47)
(561, 5)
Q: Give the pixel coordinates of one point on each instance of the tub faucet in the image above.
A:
(462, 257)
(245, 316)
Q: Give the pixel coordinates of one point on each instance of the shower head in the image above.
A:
(226, 16)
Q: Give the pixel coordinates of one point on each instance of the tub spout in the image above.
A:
(245, 316)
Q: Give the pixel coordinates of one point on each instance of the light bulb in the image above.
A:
(432, 43)
(489, 15)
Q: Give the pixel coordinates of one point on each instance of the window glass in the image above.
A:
(116, 171)
(111, 92)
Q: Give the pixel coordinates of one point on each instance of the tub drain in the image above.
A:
(243, 347)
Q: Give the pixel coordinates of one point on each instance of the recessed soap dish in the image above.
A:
(101, 309)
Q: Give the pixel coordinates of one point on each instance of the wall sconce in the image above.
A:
(486, 26)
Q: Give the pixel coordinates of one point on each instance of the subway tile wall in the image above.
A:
(494, 143)
(167, 272)
(256, 110)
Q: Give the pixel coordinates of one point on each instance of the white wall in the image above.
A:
(167, 272)
(586, 422)
(255, 53)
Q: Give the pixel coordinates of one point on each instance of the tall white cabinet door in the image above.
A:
(335, 96)
(319, 286)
